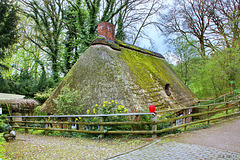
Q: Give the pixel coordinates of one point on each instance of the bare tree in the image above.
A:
(225, 17)
(138, 15)
(154, 8)
(190, 18)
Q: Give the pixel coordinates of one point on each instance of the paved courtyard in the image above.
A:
(221, 141)
(170, 150)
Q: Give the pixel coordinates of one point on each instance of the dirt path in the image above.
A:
(224, 136)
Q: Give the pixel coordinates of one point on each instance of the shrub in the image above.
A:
(70, 101)
(42, 97)
(108, 108)
(3, 128)
(37, 132)
(2, 149)
(145, 118)
(36, 111)
(114, 108)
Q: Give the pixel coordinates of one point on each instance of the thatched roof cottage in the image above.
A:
(132, 76)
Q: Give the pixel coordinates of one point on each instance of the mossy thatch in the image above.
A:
(126, 74)
(20, 104)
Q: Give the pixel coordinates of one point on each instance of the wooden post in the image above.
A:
(11, 123)
(61, 125)
(208, 116)
(45, 126)
(239, 105)
(227, 108)
(101, 126)
(154, 126)
(69, 126)
(185, 119)
(26, 125)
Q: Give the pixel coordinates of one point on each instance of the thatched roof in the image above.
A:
(17, 102)
(127, 74)
(10, 96)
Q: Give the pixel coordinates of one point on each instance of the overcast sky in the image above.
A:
(158, 45)
(158, 41)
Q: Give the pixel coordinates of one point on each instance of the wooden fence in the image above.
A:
(223, 98)
(64, 122)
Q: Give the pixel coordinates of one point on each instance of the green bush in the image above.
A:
(114, 108)
(70, 101)
(37, 132)
(36, 111)
(107, 108)
(3, 128)
(2, 149)
(41, 97)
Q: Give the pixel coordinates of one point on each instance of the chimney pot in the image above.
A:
(106, 30)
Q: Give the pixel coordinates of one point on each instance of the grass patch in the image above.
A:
(2, 148)
(238, 90)
(197, 127)
(222, 113)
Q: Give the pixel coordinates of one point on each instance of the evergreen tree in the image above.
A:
(8, 28)
(120, 32)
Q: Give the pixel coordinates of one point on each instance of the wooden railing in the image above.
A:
(64, 122)
(234, 95)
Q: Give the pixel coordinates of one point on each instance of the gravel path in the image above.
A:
(220, 141)
(39, 147)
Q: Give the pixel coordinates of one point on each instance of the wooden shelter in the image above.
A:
(16, 104)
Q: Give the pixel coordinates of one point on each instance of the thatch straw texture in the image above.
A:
(20, 104)
(128, 75)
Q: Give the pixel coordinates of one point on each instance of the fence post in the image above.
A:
(101, 126)
(61, 125)
(45, 126)
(227, 108)
(239, 105)
(154, 126)
(185, 119)
(10, 121)
(69, 126)
(208, 122)
(26, 125)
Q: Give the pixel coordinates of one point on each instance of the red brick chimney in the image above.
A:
(106, 30)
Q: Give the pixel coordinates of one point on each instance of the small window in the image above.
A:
(167, 89)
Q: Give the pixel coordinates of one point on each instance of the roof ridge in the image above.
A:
(118, 44)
